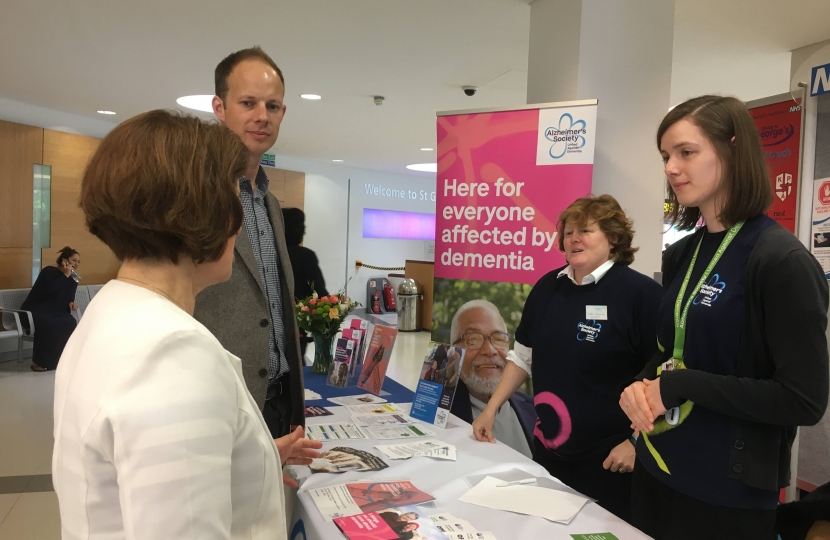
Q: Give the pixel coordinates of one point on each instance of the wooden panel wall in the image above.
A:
(21, 147)
(423, 272)
(68, 154)
(287, 186)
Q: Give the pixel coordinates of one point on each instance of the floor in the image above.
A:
(28, 505)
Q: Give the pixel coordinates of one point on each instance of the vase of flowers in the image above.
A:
(321, 316)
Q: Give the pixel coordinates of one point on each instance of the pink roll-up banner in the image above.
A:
(503, 178)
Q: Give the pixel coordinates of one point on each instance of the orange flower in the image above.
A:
(304, 308)
(313, 301)
(333, 313)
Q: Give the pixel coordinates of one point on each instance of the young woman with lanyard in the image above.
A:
(586, 330)
(741, 329)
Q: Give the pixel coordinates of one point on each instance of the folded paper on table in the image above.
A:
(376, 408)
(436, 449)
(333, 431)
(361, 399)
(344, 500)
(342, 459)
(409, 431)
(550, 504)
(380, 419)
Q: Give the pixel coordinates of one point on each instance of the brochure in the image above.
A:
(384, 408)
(313, 411)
(361, 399)
(358, 330)
(393, 523)
(343, 500)
(453, 527)
(377, 357)
(334, 431)
(342, 459)
(594, 536)
(436, 385)
(409, 431)
(380, 419)
(436, 449)
(344, 352)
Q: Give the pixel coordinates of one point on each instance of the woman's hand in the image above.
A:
(635, 405)
(295, 449)
(655, 400)
(483, 426)
(73, 306)
(621, 458)
(65, 267)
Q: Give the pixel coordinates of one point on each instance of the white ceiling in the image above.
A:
(85, 55)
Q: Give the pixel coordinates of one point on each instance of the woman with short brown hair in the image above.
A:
(156, 434)
(741, 328)
(586, 330)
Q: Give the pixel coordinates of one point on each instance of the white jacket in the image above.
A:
(156, 435)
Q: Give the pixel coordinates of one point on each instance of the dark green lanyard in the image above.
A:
(680, 317)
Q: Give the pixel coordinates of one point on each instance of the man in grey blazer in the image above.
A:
(252, 313)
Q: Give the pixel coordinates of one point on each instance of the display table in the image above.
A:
(391, 390)
(445, 481)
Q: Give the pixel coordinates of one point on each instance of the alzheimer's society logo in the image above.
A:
(570, 135)
(566, 136)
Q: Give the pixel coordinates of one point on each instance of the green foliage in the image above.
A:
(451, 294)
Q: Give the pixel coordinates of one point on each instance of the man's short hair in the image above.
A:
(164, 186)
(225, 67)
(455, 331)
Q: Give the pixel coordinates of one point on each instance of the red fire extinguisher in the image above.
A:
(375, 302)
(389, 297)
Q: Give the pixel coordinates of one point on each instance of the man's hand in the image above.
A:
(483, 426)
(636, 406)
(295, 449)
(655, 400)
(621, 458)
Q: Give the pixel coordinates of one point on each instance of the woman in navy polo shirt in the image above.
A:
(587, 329)
(743, 355)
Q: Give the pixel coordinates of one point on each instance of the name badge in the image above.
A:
(597, 313)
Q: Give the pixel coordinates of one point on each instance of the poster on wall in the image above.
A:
(779, 125)
(503, 179)
(820, 235)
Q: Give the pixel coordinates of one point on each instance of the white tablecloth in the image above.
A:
(445, 481)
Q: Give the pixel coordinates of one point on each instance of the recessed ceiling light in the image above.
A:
(201, 102)
(423, 167)
(427, 149)
(337, 160)
(106, 112)
(310, 96)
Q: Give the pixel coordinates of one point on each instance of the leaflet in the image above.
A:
(436, 449)
(404, 522)
(409, 431)
(343, 459)
(334, 431)
(344, 500)
(381, 408)
(380, 419)
(361, 399)
(452, 526)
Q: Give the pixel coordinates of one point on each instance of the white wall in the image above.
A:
(326, 198)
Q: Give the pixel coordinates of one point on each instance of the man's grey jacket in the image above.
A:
(236, 312)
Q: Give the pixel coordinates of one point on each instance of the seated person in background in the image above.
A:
(51, 301)
(479, 328)
(307, 275)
